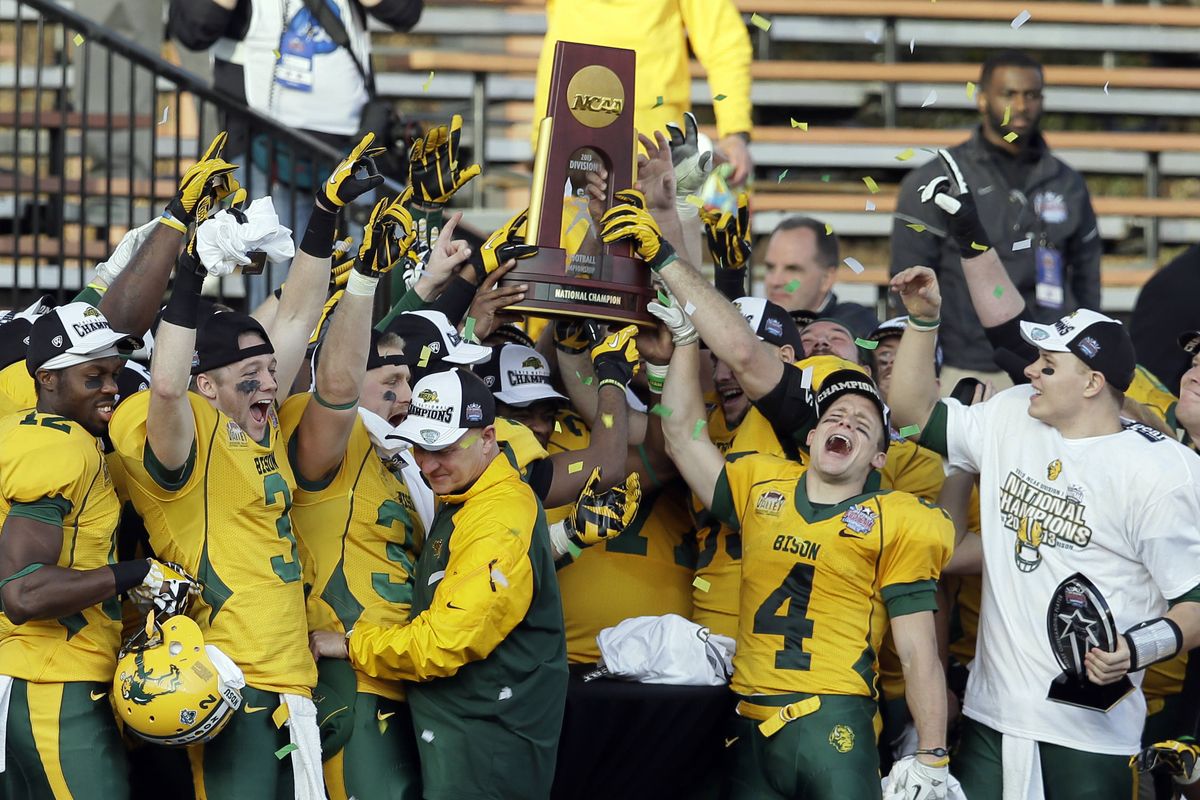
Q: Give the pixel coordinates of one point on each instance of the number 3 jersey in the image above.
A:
(53, 471)
(820, 582)
(226, 522)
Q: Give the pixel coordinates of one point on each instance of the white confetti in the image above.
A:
(1106, 87)
(427, 735)
(872, 36)
(930, 100)
(1021, 19)
(806, 378)
(437, 576)
(912, 45)
(499, 578)
(689, 309)
(166, 109)
(870, 205)
(1024, 244)
(505, 693)
(854, 264)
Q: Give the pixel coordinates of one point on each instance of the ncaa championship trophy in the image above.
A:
(1077, 620)
(588, 124)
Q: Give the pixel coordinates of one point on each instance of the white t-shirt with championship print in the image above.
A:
(1122, 509)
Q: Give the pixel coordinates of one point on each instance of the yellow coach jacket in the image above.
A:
(655, 29)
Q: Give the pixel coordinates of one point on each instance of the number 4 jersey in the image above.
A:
(226, 522)
(820, 582)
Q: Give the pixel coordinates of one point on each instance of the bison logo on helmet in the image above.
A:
(141, 687)
(428, 396)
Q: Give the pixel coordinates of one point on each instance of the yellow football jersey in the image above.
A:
(229, 525)
(359, 537)
(47, 460)
(819, 583)
(16, 389)
(524, 445)
(1149, 391)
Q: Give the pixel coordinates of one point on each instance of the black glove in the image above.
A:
(615, 358)
(951, 194)
(729, 235)
(434, 172)
(506, 242)
(355, 176)
(206, 183)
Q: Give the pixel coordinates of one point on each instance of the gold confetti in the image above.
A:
(607, 419)
(574, 466)
(916, 226)
(1007, 115)
(278, 55)
(801, 125)
(78, 39)
(695, 201)
(428, 82)
(828, 229)
(906, 155)
(1010, 137)
(557, 426)
(424, 359)
(871, 184)
(760, 22)
(970, 90)
(701, 584)
(980, 247)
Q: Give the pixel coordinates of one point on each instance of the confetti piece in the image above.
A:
(383, 725)
(871, 184)
(278, 55)
(695, 201)
(588, 381)
(465, 443)
(424, 359)
(760, 22)
(574, 466)
(970, 90)
(998, 292)
(1007, 115)
(557, 424)
(699, 426)
(285, 750)
(701, 584)
(663, 299)
(801, 125)
(806, 378)
(78, 39)
(1021, 19)
(661, 410)
(428, 82)
(782, 175)
(854, 264)
(718, 98)
(166, 110)
(870, 206)
(505, 693)
(499, 578)
(280, 715)
(573, 549)
(866, 344)
(792, 286)
(607, 419)
(930, 99)
(1106, 87)
(824, 179)
(906, 155)
(912, 45)
(980, 247)
(689, 309)
(1024, 244)
(916, 226)
(658, 101)
(828, 229)
(469, 328)
(427, 735)
(871, 36)
(1010, 137)
(910, 430)
(729, 742)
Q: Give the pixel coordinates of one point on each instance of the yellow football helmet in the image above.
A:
(167, 690)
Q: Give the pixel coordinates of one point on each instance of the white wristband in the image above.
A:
(656, 376)
(361, 285)
(560, 537)
(1152, 641)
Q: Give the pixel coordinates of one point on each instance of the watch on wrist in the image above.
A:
(936, 752)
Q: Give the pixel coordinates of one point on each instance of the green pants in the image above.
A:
(829, 754)
(1067, 774)
(62, 743)
(379, 761)
(240, 761)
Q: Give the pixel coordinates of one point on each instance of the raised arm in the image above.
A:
(304, 293)
(914, 391)
(688, 444)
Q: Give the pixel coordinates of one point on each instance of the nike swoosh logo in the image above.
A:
(98, 695)
(253, 709)
(456, 608)
(379, 715)
(729, 742)
(847, 535)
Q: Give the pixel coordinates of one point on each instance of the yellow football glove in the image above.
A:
(1179, 759)
(506, 242)
(327, 313)
(355, 176)
(615, 358)
(631, 220)
(433, 168)
(387, 237)
(729, 235)
(573, 336)
(166, 589)
(604, 515)
(207, 182)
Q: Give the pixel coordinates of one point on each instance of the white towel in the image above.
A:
(231, 673)
(306, 757)
(1022, 769)
(222, 242)
(6, 683)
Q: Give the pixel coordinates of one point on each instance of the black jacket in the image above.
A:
(1166, 307)
(1049, 201)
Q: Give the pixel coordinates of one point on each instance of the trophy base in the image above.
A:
(555, 292)
(1069, 691)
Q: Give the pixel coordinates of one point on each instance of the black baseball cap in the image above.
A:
(74, 334)
(1188, 340)
(445, 405)
(1099, 341)
(895, 327)
(852, 381)
(770, 322)
(803, 317)
(15, 327)
(430, 338)
(217, 341)
(374, 359)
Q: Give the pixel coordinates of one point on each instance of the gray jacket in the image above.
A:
(1051, 205)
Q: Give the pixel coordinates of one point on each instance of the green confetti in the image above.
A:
(910, 430)
(574, 466)
(697, 428)
(792, 286)
(573, 549)
(916, 226)
(980, 247)
(998, 292)
(760, 22)
(782, 175)
(588, 381)
(661, 410)
(469, 329)
(871, 184)
(701, 584)
(285, 750)
(866, 344)
(658, 103)
(663, 299)
(824, 179)
(970, 91)
(718, 98)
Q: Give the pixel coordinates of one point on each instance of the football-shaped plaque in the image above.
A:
(588, 125)
(1077, 620)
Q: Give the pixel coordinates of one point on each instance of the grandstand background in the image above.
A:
(1122, 100)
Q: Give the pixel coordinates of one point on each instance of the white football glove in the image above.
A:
(677, 321)
(692, 162)
(167, 588)
(107, 271)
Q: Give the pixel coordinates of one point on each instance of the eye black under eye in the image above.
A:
(1047, 370)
